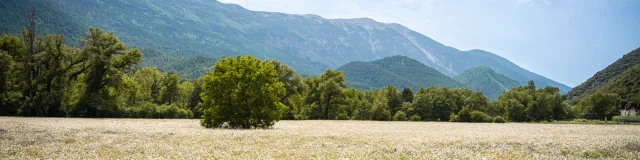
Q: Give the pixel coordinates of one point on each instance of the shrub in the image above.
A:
(477, 116)
(499, 119)
(453, 117)
(625, 119)
(464, 115)
(415, 118)
(342, 116)
(400, 116)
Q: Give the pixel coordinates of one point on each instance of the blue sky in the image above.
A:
(565, 40)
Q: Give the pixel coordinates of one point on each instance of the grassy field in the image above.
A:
(74, 138)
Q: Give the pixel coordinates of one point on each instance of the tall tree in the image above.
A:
(292, 83)
(331, 85)
(169, 92)
(394, 99)
(108, 59)
(407, 95)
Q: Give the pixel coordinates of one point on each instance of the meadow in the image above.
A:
(79, 138)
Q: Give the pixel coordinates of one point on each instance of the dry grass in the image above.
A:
(67, 138)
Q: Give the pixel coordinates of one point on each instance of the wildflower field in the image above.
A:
(77, 138)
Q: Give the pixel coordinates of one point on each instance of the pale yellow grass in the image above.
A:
(74, 138)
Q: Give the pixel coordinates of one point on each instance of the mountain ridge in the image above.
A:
(307, 43)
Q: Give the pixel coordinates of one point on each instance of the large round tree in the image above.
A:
(242, 92)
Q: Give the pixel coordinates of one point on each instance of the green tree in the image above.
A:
(407, 95)
(169, 92)
(600, 105)
(242, 92)
(394, 99)
(293, 85)
(194, 98)
(464, 115)
(108, 59)
(331, 85)
(400, 116)
(515, 110)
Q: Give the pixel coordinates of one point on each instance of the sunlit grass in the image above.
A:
(76, 138)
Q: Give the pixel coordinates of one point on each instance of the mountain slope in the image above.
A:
(627, 85)
(49, 19)
(307, 43)
(602, 77)
(399, 71)
(491, 83)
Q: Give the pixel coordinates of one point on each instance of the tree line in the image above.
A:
(41, 76)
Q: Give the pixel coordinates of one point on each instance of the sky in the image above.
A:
(565, 40)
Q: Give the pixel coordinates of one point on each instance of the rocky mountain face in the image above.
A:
(308, 43)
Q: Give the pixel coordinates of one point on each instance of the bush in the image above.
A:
(242, 92)
(342, 116)
(453, 117)
(477, 116)
(499, 119)
(625, 119)
(400, 116)
(464, 115)
(415, 118)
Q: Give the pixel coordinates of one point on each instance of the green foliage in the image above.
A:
(169, 92)
(499, 119)
(415, 118)
(487, 81)
(407, 95)
(598, 106)
(524, 103)
(477, 116)
(394, 99)
(464, 115)
(325, 93)
(293, 85)
(242, 92)
(49, 19)
(400, 116)
(108, 58)
(398, 71)
(626, 119)
(604, 76)
(627, 86)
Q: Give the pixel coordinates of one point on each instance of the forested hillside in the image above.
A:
(602, 77)
(399, 71)
(489, 82)
(186, 28)
(49, 19)
(627, 86)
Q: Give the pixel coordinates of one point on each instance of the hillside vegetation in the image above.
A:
(627, 86)
(604, 76)
(489, 82)
(399, 71)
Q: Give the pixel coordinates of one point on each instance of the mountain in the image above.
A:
(307, 43)
(602, 77)
(491, 83)
(399, 71)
